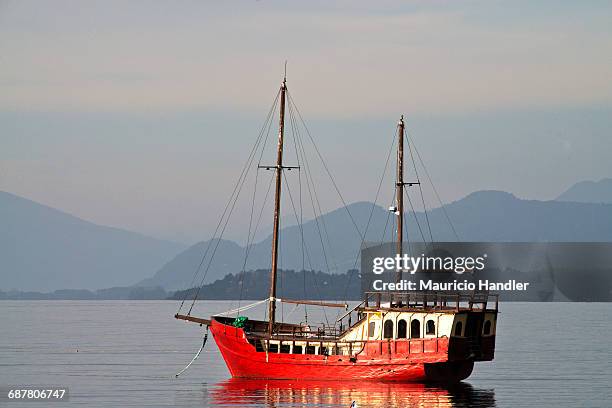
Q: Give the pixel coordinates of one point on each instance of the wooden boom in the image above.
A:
(192, 319)
(314, 303)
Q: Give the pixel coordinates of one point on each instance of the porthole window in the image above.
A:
(372, 329)
(487, 328)
(431, 327)
(415, 329)
(388, 329)
(458, 328)
(402, 329)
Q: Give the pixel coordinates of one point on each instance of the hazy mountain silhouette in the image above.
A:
(45, 249)
(229, 257)
(492, 216)
(589, 192)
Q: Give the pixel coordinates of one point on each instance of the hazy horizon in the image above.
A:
(141, 117)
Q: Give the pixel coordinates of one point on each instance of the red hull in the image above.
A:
(414, 360)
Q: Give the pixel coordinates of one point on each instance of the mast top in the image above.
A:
(401, 121)
(285, 76)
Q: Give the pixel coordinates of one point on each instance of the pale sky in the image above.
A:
(140, 114)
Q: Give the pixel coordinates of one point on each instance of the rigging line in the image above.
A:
(239, 189)
(316, 196)
(316, 285)
(252, 239)
(270, 299)
(320, 217)
(281, 272)
(320, 297)
(325, 165)
(258, 140)
(317, 219)
(416, 172)
(259, 218)
(263, 149)
(316, 216)
(215, 249)
(246, 249)
(302, 230)
(365, 233)
(382, 238)
(309, 261)
(393, 229)
(292, 311)
(211, 241)
(415, 218)
(246, 307)
(407, 236)
(301, 221)
(376, 198)
(249, 239)
(442, 205)
(313, 197)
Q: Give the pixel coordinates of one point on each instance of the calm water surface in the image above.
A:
(125, 354)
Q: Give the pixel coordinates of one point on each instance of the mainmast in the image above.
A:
(399, 189)
(277, 201)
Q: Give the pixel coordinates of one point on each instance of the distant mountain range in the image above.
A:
(489, 216)
(43, 249)
(118, 293)
(589, 192)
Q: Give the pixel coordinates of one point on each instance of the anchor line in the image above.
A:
(196, 356)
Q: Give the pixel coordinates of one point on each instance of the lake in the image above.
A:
(126, 353)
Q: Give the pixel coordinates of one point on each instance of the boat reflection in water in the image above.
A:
(287, 393)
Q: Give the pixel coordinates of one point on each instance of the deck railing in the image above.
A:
(431, 301)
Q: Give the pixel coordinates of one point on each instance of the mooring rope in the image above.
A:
(196, 356)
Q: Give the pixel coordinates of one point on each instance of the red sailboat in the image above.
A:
(389, 336)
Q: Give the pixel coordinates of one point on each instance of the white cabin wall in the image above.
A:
(444, 325)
